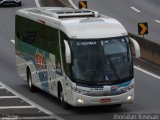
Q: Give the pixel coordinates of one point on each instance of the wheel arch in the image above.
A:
(59, 88)
(28, 71)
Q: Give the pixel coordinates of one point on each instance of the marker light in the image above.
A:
(129, 97)
(80, 100)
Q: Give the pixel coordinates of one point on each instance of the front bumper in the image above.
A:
(83, 100)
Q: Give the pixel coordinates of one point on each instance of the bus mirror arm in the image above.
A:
(67, 52)
(136, 47)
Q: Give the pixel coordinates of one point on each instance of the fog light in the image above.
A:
(80, 100)
(129, 97)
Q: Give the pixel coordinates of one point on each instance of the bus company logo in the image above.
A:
(114, 87)
(40, 60)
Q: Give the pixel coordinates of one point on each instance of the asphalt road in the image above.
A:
(130, 13)
(146, 93)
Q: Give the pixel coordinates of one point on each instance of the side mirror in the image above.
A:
(136, 47)
(67, 52)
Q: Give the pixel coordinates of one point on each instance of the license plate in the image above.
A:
(105, 100)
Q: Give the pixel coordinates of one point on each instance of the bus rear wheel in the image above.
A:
(30, 84)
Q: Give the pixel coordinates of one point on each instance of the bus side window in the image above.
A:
(67, 67)
(17, 34)
(29, 37)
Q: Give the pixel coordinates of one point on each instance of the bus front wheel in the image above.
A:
(61, 98)
(117, 105)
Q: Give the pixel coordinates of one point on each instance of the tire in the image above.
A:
(30, 84)
(61, 99)
(118, 105)
(1, 5)
(19, 4)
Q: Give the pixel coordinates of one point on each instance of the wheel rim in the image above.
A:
(30, 82)
(61, 97)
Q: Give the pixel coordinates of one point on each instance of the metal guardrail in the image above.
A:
(150, 51)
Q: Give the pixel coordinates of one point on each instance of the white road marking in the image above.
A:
(13, 41)
(33, 105)
(158, 21)
(1, 87)
(37, 3)
(35, 118)
(147, 72)
(16, 107)
(71, 2)
(25, 99)
(135, 9)
(8, 97)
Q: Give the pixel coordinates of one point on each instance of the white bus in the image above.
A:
(79, 56)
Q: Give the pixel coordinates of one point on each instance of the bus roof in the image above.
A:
(76, 23)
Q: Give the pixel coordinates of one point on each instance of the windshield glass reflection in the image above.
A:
(99, 61)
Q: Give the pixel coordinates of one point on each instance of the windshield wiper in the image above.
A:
(113, 68)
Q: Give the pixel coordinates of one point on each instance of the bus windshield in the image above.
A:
(101, 61)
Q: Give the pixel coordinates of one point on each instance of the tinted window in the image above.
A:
(37, 34)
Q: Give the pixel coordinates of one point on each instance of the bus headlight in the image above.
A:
(80, 100)
(129, 98)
